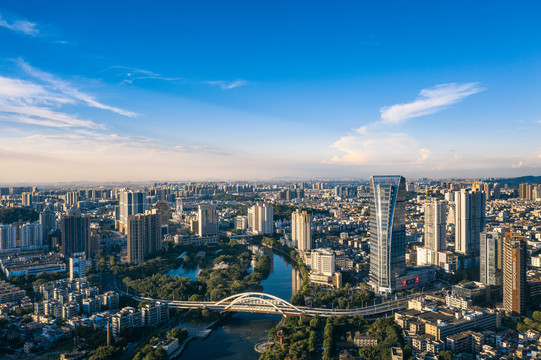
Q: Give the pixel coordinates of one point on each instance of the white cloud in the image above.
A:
(374, 144)
(518, 165)
(40, 102)
(67, 89)
(430, 101)
(423, 156)
(25, 102)
(226, 85)
(132, 74)
(20, 26)
(367, 146)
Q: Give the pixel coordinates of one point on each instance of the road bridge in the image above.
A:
(256, 302)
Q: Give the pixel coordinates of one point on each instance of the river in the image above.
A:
(236, 336)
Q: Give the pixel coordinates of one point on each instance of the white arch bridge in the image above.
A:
(255, 302)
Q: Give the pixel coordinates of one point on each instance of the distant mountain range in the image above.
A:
(530, 179)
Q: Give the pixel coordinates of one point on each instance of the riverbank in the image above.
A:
(235, 336)
(282, 252)
(202, 333)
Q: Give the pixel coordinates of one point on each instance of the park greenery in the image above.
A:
(533, 323)
(14, 214)
(300, 337)
(305, 337)
(177, 333)
(105, 352)
(230, 276)
(343, 298)
(150, 350)
(96, 341)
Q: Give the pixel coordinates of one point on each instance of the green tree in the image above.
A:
(105, 353)
(177, 333)
(445, 355)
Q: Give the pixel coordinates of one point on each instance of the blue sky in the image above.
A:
(256, 90)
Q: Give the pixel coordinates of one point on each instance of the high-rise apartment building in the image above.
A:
(144, 236)
(525, 191)
(8, 236)
(77, 267)
(130, 203)
(163, 212)
(322, 261)
(72, 198)
(31, 235)
(261, 218)
(496, 191)
(75, 235)
(301, 230)
(514, 273)
(241, 222)
(207, 220)
(387, 231)
(491, 258)
(27, 199)
(470, 221)
(435, 225)
(536, 193)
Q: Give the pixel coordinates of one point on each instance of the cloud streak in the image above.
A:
(132, 74)
(40, 102)
(25, 102)
(70, 91)
(226, 85)
(430, 101)
(20, 26)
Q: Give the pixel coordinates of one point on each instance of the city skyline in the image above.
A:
(269, 90)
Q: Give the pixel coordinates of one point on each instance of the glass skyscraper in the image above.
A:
(387, 231)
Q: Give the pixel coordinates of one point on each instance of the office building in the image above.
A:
(207, 220)
(144, 236)
(130, 203)
(387, 231)
(435, 225)
(491, 258)
(47, 220)
(77, 267)
(470, 221)
(301, 230)
(261, 218)
(514, 273)
(8, 237)
(75, 235)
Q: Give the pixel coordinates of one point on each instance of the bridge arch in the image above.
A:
(249, 297)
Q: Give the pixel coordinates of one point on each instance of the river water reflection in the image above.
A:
(237, 335)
